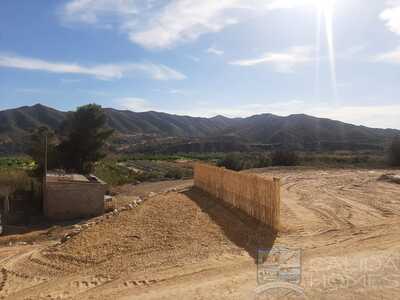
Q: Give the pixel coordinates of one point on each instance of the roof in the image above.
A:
(70, 178)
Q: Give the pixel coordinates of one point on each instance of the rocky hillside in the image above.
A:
(299, 131)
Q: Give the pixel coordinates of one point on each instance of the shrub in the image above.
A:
(284, 158)
(174, 173)
(242, 161)
(232, 161)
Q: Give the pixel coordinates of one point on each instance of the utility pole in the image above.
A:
(45, 154)
(44, 184)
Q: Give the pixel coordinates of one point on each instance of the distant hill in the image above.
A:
(296, 131)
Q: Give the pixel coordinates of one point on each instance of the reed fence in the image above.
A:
(257, 196)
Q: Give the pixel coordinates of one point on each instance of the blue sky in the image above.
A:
(203, 58)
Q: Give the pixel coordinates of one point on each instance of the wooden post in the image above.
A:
(277, 203)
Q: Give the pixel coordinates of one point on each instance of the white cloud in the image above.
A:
(283, 62)
(389, 57)
(213, 50)
(391, 16)
(103, 71)
(184, 20)
(90, 11)
(157, 24)
(133, 104)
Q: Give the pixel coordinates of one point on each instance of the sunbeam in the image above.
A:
(318, 53)
(325, 9)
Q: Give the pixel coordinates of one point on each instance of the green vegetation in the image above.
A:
(16, 163)
(176, 157)
(284, 158)
(41, 138)
(124, 171)
(334, 159)
(84, 137)
(114, 174)
(361, 159)
(240, 161)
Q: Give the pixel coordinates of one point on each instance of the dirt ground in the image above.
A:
(181, 244)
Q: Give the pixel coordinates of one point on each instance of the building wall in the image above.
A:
(70, 200)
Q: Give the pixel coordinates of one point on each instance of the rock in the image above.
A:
(394, 178)
(151, 194)
(65, 238)
(130, 206)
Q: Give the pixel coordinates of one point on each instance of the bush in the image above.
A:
(394, 153)
(242, 161)
(232, 161)
(174, 173)
(284, 158)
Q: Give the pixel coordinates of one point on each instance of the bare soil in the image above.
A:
(181, 244)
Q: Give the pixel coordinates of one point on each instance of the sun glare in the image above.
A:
(325, 5)
(325, 11)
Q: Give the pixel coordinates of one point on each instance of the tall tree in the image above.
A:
(84, 137)
(394, 152)
(41, 138)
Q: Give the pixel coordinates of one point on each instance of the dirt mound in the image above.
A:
(166, 230)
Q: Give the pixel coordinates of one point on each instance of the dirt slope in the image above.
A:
(184, 245)
(139, 247)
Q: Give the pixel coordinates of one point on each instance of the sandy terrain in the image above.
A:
(180, 244)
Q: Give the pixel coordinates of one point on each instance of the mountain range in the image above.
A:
(298, 131)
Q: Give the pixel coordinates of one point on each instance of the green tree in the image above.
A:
(394, 152)
(39, 139)
(84, 137)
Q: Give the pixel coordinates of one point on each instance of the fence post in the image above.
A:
(277, 203)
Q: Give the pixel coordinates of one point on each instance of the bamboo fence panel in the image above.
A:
(257, 196)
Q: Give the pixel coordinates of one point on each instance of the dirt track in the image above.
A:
(185, 245)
